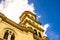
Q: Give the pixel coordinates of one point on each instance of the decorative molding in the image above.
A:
(9, 30)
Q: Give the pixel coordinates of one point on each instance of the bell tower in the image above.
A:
(28, 19)
(28, 16)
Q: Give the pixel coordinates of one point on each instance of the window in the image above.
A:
(39, 34)
(35, 31)
(13, 37)
(6, 35)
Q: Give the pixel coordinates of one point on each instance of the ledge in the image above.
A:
(2, 16)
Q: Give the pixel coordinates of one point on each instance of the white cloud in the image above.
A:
(14, 8)
(45, 27)
(38, 17)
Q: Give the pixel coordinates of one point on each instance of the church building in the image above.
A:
(27, 29)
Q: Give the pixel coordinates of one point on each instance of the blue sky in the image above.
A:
(50, 12)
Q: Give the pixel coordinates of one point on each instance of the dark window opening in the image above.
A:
(6, 35)
(13, 37)
(39, 34)
(35, 31)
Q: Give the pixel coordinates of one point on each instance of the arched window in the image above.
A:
(6, 35)
(35, 31)
(13, 37)
(39, 34)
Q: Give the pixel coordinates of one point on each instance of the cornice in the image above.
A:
(2, 16)
(27, 12)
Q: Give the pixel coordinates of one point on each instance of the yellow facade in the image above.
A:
(28, 28)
